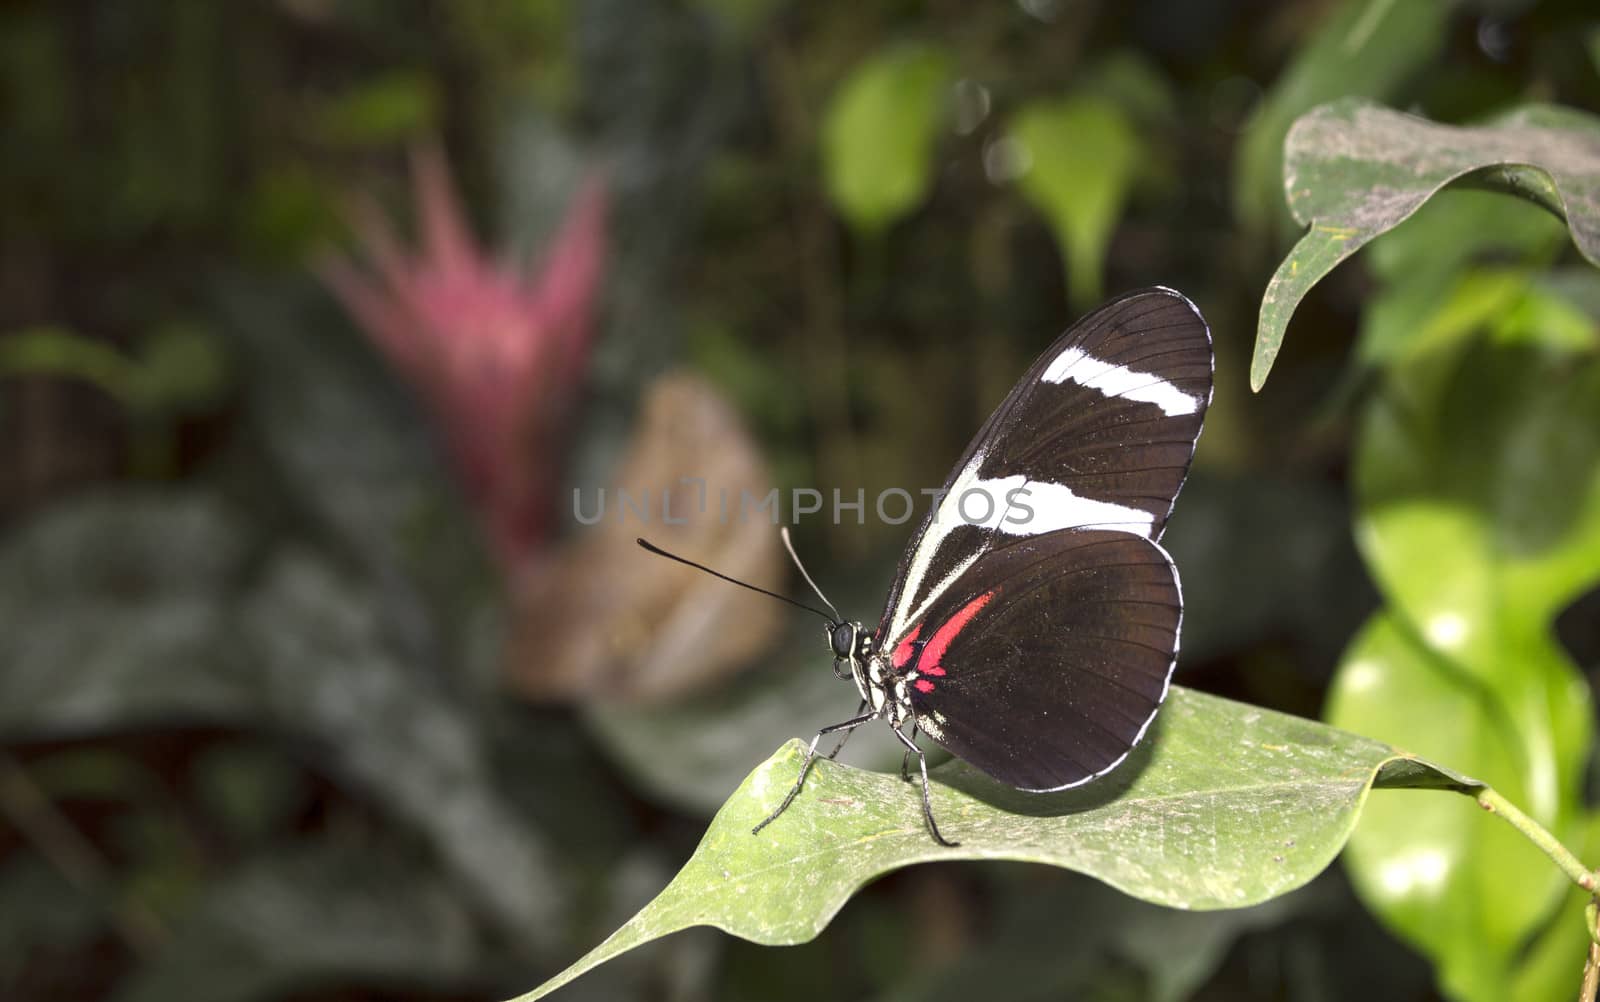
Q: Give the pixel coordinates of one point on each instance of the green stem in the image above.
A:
(1569, 863)
(1579, 874)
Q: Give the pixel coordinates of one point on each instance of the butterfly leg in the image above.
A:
(905, 760)
(848, 731)
(927, 804)
(805, 766)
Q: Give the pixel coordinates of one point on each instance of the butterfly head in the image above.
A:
(843, 638)
(852, 645)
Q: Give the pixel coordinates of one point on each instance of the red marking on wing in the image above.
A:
(923, 685)
(933, 653)
(903, 652)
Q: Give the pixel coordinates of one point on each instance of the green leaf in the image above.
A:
(1080, 155)
(379, 111)
(1226, 805)
(125, 589)
(1354, 170)
(1478, 474)
(1136, 84)
(1552, 313)
(878, 135)
(349, 447)
(1463, 888)
(180, 368)
(52, 352)
(1513, 305)
(1365, 48)
(386, 730)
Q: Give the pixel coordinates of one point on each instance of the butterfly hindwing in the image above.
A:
(1046, 661)
(1097, 434)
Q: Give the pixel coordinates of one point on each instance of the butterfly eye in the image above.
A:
(844, 640)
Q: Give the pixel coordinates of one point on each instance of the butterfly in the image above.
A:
(1033, 623)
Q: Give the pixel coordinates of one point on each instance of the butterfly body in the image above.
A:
(1032, 627)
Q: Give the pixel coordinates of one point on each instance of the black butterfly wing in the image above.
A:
(1048, 659)
(1097, 434)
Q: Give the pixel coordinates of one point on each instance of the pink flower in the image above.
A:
(498, 350)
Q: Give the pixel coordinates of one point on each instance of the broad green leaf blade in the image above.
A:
(376, 484)
(1081, 154)
(1366, 48)
(1354, 170)
(878, 135)
(1478, 479)
(1226, 805)
(1463, 888)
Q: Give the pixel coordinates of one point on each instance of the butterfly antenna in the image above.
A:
(658, 551)
(789, 545)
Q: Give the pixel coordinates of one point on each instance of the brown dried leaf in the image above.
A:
(602, 619)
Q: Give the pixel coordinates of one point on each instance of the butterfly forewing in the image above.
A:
(1097, 434)
(1046, 661)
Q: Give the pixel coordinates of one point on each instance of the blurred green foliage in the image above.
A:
(256, 742)
(1079, 158)
(879, 132)
(1358, 48)
(1479, 480)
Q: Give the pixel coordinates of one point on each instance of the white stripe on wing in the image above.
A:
(1119, 381)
